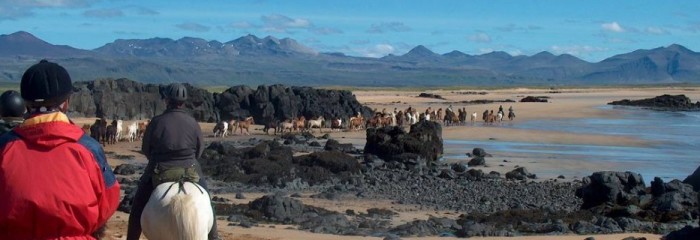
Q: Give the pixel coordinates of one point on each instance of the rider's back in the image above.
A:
(54, 180)
(173, 138)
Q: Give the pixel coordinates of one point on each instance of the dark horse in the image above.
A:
(272, 124)
(98, 130)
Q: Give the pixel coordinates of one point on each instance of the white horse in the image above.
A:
(412, 118)
(132, 129)
(120, 129)
(315, 123)
(500, 117)
(473, 119)
(177, 211)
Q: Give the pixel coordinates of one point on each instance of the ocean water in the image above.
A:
(674, 154)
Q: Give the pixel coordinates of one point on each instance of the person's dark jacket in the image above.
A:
(173, 139)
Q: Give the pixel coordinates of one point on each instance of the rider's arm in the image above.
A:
(103, 181)
(146, 141)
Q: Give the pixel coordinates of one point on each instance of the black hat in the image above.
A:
(177, 92)
(11, 104)
(46, 84)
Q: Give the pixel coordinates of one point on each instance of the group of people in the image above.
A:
(55, 182)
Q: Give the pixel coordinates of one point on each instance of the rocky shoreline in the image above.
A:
(489, 204)
(662, 103)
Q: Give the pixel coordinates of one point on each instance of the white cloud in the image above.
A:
(281, 23)
(377, 51)
(388, 27)
(326, 30)
(515, 52)
(14, 9)
(576, 50)
(480, 37)
(193, 27)
(104, 13)
(655, 31)
(612, 27)
(242, 25)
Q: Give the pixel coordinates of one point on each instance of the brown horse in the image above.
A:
(300, 123)
(356, 123)
(336, 124)
(245, 124)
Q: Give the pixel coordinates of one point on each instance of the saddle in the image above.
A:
(163, 174)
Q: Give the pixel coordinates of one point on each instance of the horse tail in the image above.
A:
(183, 208)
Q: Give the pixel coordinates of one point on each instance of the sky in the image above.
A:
(590, 30)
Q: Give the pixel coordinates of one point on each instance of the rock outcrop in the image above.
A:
(393, 143)
(663, 102)
(129, 100)
(281, 102)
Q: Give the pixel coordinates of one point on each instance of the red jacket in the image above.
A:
(55, 182)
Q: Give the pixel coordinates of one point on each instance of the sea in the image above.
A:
(673, 152)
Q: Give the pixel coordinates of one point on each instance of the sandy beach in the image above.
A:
(563, 104)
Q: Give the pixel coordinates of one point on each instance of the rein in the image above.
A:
(181, 187)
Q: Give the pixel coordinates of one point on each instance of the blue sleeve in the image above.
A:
(99, 154)
(7, 138)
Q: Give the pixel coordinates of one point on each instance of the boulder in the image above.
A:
(477, 161)
(334, 145)
(424, 139)
(617, 188)
(694, 179)
(125, 169)
(278, 208)
(520, 173)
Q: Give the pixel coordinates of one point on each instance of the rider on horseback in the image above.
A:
(56, 183)
(172, 143)
(12, 110)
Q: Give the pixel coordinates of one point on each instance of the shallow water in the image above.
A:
(674, 154)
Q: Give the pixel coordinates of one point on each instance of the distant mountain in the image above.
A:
(166, 47)
(25, 44)
(251, 45)
(252, 60)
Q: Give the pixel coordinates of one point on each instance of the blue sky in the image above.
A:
(591, 30)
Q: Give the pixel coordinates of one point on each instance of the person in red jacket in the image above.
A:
(55, 182)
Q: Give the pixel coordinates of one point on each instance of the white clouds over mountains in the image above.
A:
(612, 27)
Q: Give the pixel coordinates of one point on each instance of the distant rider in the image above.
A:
(12, 110)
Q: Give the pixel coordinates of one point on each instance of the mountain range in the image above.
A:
(251, 60)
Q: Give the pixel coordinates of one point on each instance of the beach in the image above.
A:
(562, 105)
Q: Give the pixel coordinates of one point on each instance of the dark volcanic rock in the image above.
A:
(430, 95)
(424, 139)
(278, 208)
(125, 169)
(694, 179)
(269, 163)
(663, 102)
(129, 100)
(534, 99)
(334, 145)
(279, 102)
(611, 187)
(476, 161)
(520, 173)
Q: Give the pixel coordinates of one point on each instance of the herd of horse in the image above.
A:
(409, 116)
(114, 132)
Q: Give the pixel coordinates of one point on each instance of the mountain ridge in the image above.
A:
(254, 60)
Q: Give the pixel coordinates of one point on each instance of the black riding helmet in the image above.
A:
(12, 104)
(46, 84)
(176, 92)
